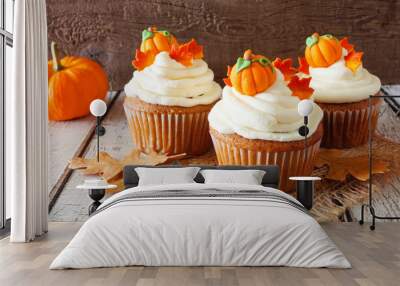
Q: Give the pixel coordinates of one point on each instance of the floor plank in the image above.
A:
(375, 257)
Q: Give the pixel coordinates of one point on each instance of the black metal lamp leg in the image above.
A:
(372, 211)
(361, 221)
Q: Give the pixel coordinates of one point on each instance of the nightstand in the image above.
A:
(97, 189)
(305, 190)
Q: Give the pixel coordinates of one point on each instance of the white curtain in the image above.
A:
(27, 123)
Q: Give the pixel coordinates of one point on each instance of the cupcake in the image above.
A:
(170, 95)
(342, 87)
(256, 122)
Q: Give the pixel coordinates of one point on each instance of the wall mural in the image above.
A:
(197, 95)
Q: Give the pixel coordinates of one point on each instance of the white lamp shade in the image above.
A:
(98, 107)
(305, 107)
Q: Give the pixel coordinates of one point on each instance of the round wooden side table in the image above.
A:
(305, 190)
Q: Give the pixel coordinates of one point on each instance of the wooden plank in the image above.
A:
(64, 139)
(110, 31)
(60, 157)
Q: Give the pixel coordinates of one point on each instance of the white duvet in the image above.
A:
(200, 231)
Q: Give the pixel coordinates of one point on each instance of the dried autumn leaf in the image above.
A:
(107, 167)
(206, 159)
(143, 59)
(303, 65)
(286, 68)
(119, 182)
(110, 168)
(300, 87)
(152, 158)
(341, 164)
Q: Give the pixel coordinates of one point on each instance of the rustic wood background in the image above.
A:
(109, 31)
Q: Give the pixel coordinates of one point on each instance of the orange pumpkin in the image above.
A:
(156, 41)
(74, 82)
(322, 51)
(251, 74)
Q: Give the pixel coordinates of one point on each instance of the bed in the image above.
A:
(201, 224)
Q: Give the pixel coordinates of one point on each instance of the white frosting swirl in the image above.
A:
(168, 82)
(338, 84)
(269, 115)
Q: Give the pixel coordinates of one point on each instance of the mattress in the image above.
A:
(201, 225)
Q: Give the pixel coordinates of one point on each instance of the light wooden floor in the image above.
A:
(375, 257)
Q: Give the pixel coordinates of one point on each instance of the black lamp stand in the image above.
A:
(97, 194)
(303, 131)
(100, 131)
(305, 186)
(370, 205)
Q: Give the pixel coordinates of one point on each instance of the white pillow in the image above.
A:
(248, 177)
(166, 176)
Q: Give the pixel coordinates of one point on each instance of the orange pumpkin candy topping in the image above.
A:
(322, 51)
(74, 82)
(156, 41)
(251, 74)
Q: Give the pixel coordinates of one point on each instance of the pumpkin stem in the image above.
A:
(247, 55)
(56, 62)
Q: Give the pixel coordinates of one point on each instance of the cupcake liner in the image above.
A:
(292, 157)
(346, 125)
(168, 129)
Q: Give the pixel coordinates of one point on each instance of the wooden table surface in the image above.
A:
(72, 203)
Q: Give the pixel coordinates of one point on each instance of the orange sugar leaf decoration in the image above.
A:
(186, 53)
(300, 87)
(227, 80)
(345, 44)
(143, 59)
(303, 65)
(353, 60)
(195, 49)
(286, 68)
(181, 54)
